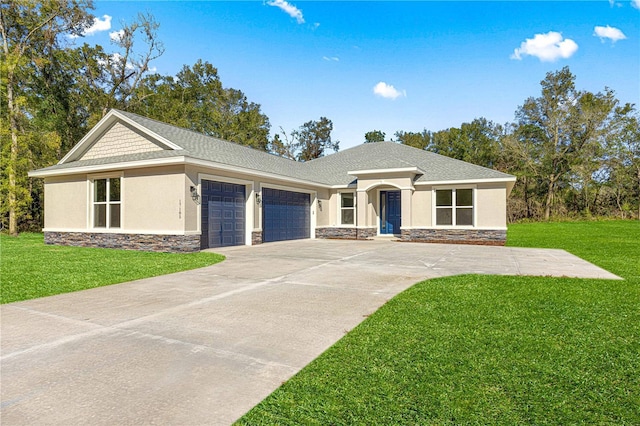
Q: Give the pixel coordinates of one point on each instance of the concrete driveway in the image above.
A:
(204, 346)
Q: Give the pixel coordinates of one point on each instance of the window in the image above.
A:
(347, 208)
(106, 203)
(454, 207)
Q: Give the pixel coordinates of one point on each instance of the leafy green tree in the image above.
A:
(196, 99)
(417, 140)
(29, 30)
(622, 161)
(308, 142)
(110, 79)
(374, 136)
(476, 142)
(569, 123)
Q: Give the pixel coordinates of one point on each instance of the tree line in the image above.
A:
(53, 91)
(574, 153)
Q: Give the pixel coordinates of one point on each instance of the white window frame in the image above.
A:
(454, 207)
(340, 208)
(92, 203)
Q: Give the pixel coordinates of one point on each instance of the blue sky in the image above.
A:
(393, 65)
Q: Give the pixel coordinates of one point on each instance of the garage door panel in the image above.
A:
(285, 215)
(223, 214)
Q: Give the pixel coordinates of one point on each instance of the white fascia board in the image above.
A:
(466, 181)
(111, 117)
(348, 186)
(413, 170)
(108, 167)
(250, 172)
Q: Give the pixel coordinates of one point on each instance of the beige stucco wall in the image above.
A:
(154, 200)
(66, 203)
(158, 200)
(491, 203)
(421, 207)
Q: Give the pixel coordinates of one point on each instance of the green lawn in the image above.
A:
(488, 349)
(31, 269)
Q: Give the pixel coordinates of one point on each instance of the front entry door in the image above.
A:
(390, 207)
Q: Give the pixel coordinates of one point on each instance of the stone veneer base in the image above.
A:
(256, 238)
(346, 233)
(456, 236)
(142, 242)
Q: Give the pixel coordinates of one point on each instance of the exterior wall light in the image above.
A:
(194, 194)
(320, 204)
(258, 199)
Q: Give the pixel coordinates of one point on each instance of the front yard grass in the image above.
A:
(488, 349)
(31, 269)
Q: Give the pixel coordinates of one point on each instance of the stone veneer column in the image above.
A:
(256, 238)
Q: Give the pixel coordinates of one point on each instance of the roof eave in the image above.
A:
(399, 170)
(508, 179)
(122, 165)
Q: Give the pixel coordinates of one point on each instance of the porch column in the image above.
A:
(406, 207)
(362, 205)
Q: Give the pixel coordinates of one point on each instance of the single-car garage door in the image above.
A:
(285, 215)
(223, 214)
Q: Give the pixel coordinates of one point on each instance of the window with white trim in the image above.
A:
(454, 207)
(106, 203)
(347, 208)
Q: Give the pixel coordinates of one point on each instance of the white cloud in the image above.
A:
(388, 91)
(98, 25)
(289, 9)
(331, 58)
(116, 58)
(546, 47)
(635, 3)
(116, 35)
(611, 33)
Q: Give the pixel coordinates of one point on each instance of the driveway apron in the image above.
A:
(205, 346)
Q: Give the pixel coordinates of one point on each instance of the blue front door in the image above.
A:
(390, 217)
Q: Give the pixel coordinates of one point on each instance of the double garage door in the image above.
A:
(285, 214)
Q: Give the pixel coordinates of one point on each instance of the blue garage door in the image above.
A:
(285, 215)
(223, 214)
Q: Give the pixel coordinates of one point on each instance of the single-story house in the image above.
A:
(137, 183)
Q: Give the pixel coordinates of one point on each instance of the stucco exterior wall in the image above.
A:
(66, 202)
(491, 206)
(421, 207)
(154, 200)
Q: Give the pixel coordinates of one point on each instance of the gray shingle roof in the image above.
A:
(391, 155)
(329, 170)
